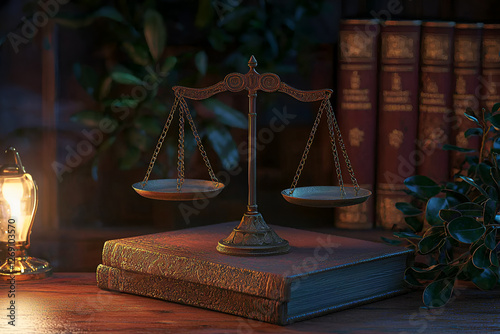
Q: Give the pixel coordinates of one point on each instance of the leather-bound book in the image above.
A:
(490, 78)
(322, 273)
(397, 117)
(467, 71)
(435, 100)
(357, 113)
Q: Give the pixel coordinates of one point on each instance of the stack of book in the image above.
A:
(322, 273)
(403, 87)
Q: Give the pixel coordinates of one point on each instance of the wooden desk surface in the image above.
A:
(71, 303)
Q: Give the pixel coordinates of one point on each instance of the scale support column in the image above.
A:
(252, 236)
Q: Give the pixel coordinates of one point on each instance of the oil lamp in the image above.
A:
(18, 204)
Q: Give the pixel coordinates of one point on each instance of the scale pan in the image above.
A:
(325, 196)
(166, 189)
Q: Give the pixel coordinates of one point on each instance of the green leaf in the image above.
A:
(466, 229)
(481, 257)
(87, 78)
(434, 205)
(149, 124)
(411, 279)
(433, 238)
(125, 77)
(490, 239)
(407, 235)
(105, 88)
(155, 33)
(415, 223)
(391, 241)
(469, 209)
(89, 118)
(494, 259)
(168, 65)
(78, 22)
(224, 145)
(495, 120)
(118, 103)
(485, 279)
(130, 158)
(225, 114)
(201, 61)
(474, 184)
(408, 209)
(484, 171)
(138, 139)
(137, 53)
(473, 132)
(422, 186)
(495, 107)
(204, 14)
(438, 293)
(448, 147)
(489, 214)
(469, 114)
(449, 214)
(454, 196)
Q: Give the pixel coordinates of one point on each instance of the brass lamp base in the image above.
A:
(253, 237)
(24, 267)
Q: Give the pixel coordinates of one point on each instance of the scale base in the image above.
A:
(253, 237)
(25, 268)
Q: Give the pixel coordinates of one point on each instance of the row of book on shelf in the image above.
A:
(403, 87)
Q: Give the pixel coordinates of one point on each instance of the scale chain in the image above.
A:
(306, 150)
(334, 151)
(160, 142)
(198, 141)
(344, 151)
(180, 150)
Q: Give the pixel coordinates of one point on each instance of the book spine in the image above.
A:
(189, 293)
(120, 254)
(436, 99)
(397, 117)
(357, 113)
(490, 72)
(467, 67)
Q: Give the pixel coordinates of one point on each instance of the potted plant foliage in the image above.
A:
(453, 227)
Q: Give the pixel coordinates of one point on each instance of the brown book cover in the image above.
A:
(397, 117)
(436, 99)
(467, 67)
(357, 112)
(490, 74)
(322, 273)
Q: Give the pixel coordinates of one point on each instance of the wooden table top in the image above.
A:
(72, 303)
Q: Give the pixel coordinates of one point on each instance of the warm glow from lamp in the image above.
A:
(12, 190)
(18, 203)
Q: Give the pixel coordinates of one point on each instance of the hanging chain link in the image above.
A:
(344, 151)
(307, 148)
(160, 142)
(180, 150)
(335, 152)
(198, 141)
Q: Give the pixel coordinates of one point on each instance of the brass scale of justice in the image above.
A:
(252, 237)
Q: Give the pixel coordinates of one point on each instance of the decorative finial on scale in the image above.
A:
(252, 63)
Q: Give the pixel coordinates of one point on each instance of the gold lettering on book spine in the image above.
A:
(355, 45)
(467, 49)
(491, 50)
(356, 137)
(397, 46)
(435, 47)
